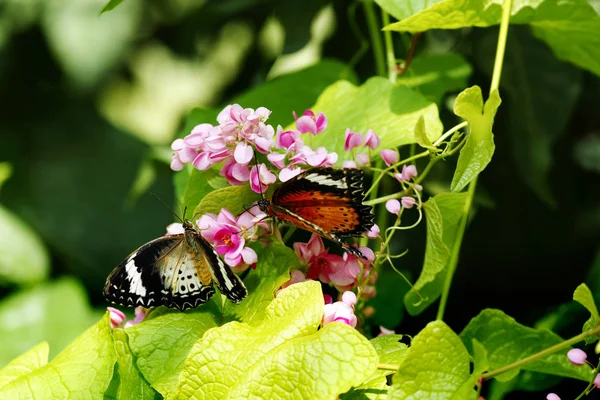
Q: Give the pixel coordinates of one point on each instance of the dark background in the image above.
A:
(82, 172)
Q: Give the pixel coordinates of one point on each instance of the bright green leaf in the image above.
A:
(391, 111)
(571, 29)
(234, 198)
(479, 148)
(506, 341)
(272, 270)
(583, 295)
(54, 312)
(111, 5)
(232, 350)
(292, 92)
(482, 364)
(443, 213)
(31, 360)
(404, 9)
(132, 384)
(436, 366)
(421, 136)
(83, 370)
(434, 75)
(23, 257)
(161, 343)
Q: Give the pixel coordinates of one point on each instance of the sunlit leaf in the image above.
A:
(234, 198)
(443, 213)
(404, 9)
(27, 362)
(479, 148)
(507, 341)
(571, 29)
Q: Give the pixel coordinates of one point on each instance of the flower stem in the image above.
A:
(506, 7)
(557, 347)
(375, 37)
(389, 49)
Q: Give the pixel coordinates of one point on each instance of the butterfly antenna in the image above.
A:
(169, 208)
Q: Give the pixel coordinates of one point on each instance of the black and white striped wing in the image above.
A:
(164, 271)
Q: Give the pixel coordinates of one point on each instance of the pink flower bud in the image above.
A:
(385, 331)
(389, 156)
(393, 206)
(116, 317)
(597, 381)
(552, 396)
(373, 140)
(577, 356)
(373, 232)
(349, 298)
(362, 159)
(352, 140)
(345, 164)
(408, 202)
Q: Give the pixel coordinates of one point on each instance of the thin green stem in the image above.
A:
(389, 49)
(543, 353)
(506, 7)
(374, 29)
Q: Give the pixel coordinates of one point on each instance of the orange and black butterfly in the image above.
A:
(177, 271)
(326, 201)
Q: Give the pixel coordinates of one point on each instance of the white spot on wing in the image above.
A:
(136, 286)
(326, 180)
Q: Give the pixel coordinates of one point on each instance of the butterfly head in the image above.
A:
(187, 225)
(264, 205)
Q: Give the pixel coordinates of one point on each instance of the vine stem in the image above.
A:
(500, 49)
(375, 37)
(389, 49)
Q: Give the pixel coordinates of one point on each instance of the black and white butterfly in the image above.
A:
(176, 271)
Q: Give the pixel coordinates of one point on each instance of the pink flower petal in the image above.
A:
(373, 140)
(243, 153)
(277, 159)
(176, 164)
(117, 317)
(202, 162)
(349, 164)
(389, 156)
(577, 356)
(552, 396)
(288, 173)
(349, 298)
(373, 232)
(384, 331)
(306, 124)
(362, 159)
(408, 202)
(393, 206)
(249, 256)
(352, 140)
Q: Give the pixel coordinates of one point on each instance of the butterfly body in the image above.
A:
(326, 201)
(177, 271)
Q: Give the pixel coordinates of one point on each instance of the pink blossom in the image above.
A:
(261, 178)
(140, 314)
(384, 331)
(373, 232)
(288, 173)
(320, 157)
(352, 140)
(236, 174)
(408, 172)
(182, 154)
(344, 272)
(243, 153)
(389, 156)
(117, 317)
(408, 202)
(339, 312)
(552, 396)
(373, 140)
(313, 248)
(349, 298)
(577, 356)
(349, 164)
(308, 122)
(393, 206)
(363, 159)
(277, 159)
(229, 234)
(174, 229)
(286, 139)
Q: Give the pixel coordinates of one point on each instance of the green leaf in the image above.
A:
(390, 111)
(388, 305)
(244, 356)
(479, 148)
(434, 75)
(163, 340)
(23, 257)
(132, 384)
(82, 370)
(540, 105)
(111, 5)
(234, 198)
(506, 342)
(272, 270)
(404, 9)
(31, 360)
(436, 366)
(480, 358)
(296, 91)
(583, 295)
(443, 213)
(6, 171)
(571, 29)
(421, 136)
(54, 312)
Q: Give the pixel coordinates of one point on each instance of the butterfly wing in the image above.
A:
(329, 198)
(326, 201)
(161, 272)
(226, 280)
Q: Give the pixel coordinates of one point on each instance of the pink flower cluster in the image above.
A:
(344, 272)
(408, 173)
(353, 140)
(232, 141)
(340, 311)
(229, 235)
(576, 357)
(119, 320)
